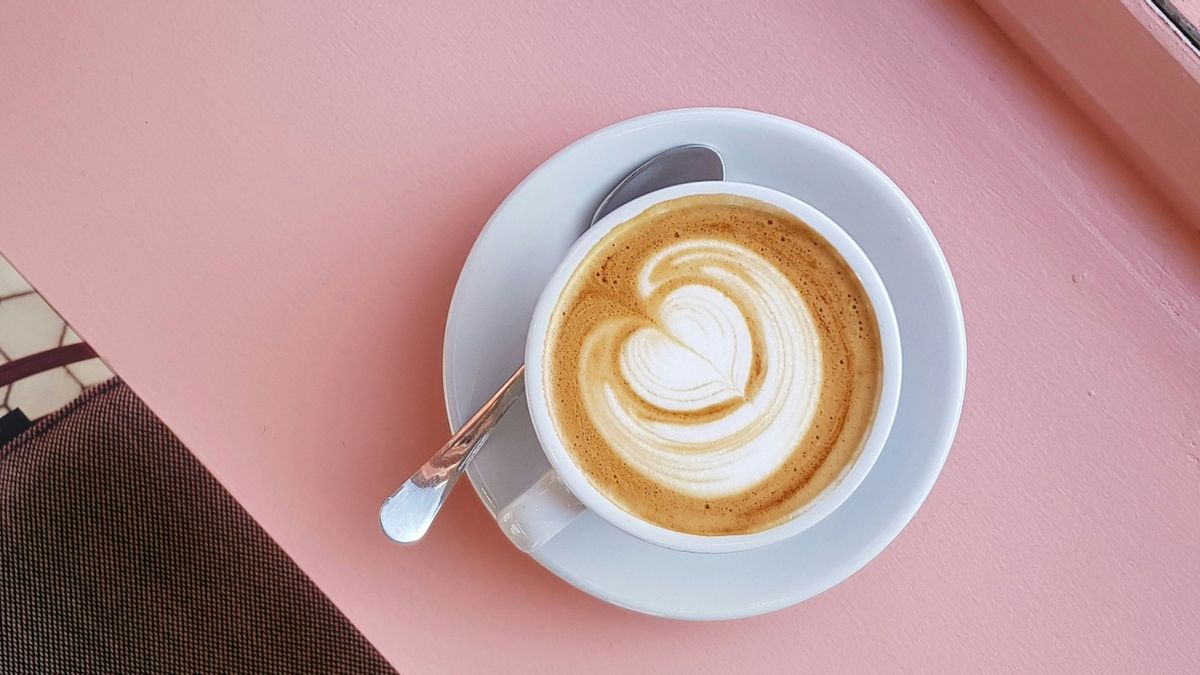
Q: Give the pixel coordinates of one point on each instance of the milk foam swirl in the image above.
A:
(717, 382)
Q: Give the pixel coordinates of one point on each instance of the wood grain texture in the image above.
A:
(282, 195)
(1133, 74)
(1188, 9)
(1183, 15)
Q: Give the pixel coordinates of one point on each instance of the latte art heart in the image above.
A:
(696, 353)
(719, 383)
(712, 365)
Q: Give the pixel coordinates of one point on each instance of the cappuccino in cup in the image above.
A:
(712, 365)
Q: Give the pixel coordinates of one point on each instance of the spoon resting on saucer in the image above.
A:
(408, 513)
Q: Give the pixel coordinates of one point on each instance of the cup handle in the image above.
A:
(539, 513)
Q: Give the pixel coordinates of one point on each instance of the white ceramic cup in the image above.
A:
(564, 493)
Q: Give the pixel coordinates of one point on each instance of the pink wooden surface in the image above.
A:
(1190, 9)
(257, 214)
(1130, 71)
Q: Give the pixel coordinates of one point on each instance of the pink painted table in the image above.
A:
(257, 213)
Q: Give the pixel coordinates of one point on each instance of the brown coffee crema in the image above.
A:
(713, 365)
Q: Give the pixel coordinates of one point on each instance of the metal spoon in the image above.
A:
(408, 513)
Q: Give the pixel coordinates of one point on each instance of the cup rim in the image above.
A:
(816, 509)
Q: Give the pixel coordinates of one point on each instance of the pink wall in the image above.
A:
(274, 200)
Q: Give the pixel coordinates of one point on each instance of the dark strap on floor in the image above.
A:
(120, 553)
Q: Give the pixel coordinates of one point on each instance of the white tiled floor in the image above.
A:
(11, 282)
(28, 325)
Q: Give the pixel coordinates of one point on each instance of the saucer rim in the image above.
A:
(941, 434)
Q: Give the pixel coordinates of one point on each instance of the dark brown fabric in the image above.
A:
(119, 553)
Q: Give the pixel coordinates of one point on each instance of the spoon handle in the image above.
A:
(407, 514)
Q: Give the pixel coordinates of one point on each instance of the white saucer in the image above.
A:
(524, 241)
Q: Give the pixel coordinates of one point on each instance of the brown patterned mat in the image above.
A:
(120, 553)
